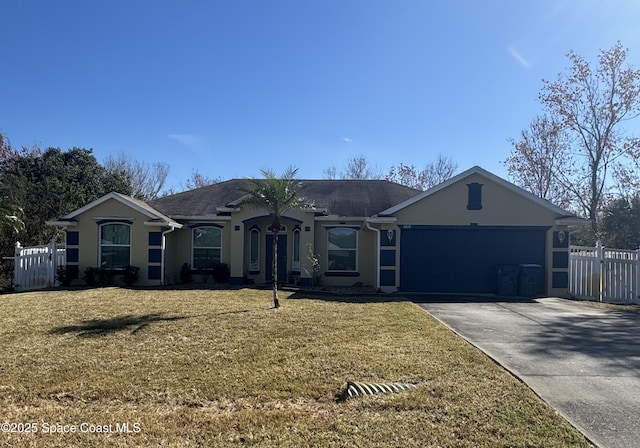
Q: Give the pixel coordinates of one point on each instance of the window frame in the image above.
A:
(194, 247)
(356, 249)
(101, 245)
(254, 266)
(295, 264)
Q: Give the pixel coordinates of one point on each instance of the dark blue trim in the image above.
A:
(257, 218)
(72, 255)
(343, 227)
(73, 238)
(114, 221)
(236, 280)
(306, 282)
(388, 278)
(561, 259)
(556, 240)
(387, 257)
(472, 227)
(154, 273)
(155, 256)
(384, 239)
(155, 238)
(73, 271)
(560, 280)
(205, 224)
(475, 196)
(341, 274)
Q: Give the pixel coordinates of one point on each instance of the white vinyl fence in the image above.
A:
(35, 266)
(607, 275)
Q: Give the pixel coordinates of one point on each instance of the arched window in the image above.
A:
(296, 250)
(254, 250)
(207, 247)
(115, 245)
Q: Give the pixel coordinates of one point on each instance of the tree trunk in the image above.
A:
(274, 270)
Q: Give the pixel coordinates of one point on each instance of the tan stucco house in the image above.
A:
(461, 236)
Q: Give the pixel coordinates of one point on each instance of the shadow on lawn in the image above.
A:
(406, 297)
(101, 327)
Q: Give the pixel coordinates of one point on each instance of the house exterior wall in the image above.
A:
(365, 273)
(243, 220)
(88, 237)
(500, 206)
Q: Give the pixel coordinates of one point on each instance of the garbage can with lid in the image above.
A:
(508, 279)
(528, 280)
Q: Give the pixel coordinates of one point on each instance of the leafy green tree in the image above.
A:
(621, 224)
(277, 195)
(10, 216)
(49, 184)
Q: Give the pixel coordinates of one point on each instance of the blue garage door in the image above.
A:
(464, 259)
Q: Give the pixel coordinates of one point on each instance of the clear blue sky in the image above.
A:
(231, 86)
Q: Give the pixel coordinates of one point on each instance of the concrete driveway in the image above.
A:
(583, 360)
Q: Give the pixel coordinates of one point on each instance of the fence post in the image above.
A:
(53, 256)
(600, 255)
(16, 265)
(636, 289)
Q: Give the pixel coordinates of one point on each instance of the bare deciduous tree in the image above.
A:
(147, 181)
(592, 104)
(539, 158)
(434, 173)
(358, 168)
(199, 180)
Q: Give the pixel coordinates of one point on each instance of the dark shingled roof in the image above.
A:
(339, 197)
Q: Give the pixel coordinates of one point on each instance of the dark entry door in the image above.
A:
(282, 258)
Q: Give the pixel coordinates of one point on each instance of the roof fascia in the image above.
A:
(62, 223)
(341, 218)
(201, 218)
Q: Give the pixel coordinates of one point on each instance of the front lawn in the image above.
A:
(221, 368)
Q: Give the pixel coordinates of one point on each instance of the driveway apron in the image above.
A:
(581, 359)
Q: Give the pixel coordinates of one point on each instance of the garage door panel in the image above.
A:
(464, 259)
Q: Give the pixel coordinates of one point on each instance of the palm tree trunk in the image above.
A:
(274, 271)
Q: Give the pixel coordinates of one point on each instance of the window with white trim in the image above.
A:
(207, 247)
(115, 245)
(296, 251)
(342, 249)
(254, 250)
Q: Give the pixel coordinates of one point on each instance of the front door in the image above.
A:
(282, 258)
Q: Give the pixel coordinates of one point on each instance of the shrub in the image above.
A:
(221, 273)
(131, 275)
(63, 275)
(185, 273)
(90, 276)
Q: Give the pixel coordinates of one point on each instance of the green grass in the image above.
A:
(222, 368)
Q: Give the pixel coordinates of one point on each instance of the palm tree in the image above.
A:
(9, 211)
(276, 195)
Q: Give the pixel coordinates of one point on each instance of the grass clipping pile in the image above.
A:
(222, 368)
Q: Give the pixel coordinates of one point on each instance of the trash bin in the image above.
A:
(528, 280)
(508, 279)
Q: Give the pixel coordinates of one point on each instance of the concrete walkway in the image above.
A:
(582, 359)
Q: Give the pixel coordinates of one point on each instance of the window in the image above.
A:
(475, 196)
(296, 251)
(254, 250)
(115, 245)
(207, 245)
(342, 249)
